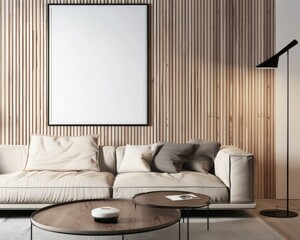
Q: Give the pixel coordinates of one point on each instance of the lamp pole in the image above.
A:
(287, 133)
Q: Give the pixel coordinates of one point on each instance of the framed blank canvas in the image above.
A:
(98, 65)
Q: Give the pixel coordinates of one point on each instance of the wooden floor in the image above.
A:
(289, 228)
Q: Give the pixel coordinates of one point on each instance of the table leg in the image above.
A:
(188, 224)
(30, 230)
(207, 217)
(123, 237)
(179, 232)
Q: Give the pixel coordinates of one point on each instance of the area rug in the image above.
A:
(15, 225)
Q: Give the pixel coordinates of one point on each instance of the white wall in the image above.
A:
(287, 29)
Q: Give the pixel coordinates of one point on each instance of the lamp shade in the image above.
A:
(272, 62)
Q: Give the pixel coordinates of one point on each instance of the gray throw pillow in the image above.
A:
(169, 157)
(203, 158)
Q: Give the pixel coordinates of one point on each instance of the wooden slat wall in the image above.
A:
(203, 83)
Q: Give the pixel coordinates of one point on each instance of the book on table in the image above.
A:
(186, 196)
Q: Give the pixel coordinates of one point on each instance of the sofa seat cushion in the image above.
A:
(126, 185)
(54, 187)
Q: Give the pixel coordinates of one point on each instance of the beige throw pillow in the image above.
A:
(62, 153)
(137, 158)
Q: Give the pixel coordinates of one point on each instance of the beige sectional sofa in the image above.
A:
(230, 187)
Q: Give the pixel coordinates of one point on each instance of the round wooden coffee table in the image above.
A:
(182, 200)
(75, 218)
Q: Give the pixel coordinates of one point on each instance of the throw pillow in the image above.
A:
(137, 158)
(203, 158)
(62, 153)
(169, 157)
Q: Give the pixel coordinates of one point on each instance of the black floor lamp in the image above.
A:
(272, 62)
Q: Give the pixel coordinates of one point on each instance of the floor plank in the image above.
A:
(287, 227)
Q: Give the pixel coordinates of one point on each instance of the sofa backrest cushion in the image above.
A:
(13, 158)
(55, 153)
(107, 159)
(120, 151)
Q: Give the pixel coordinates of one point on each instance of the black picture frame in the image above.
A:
(120, 101)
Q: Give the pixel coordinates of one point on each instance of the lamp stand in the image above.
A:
(277, 212)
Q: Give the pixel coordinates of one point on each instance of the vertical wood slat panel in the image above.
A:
(202, 78)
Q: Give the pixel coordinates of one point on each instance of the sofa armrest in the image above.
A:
(12, 158)
(235, 168)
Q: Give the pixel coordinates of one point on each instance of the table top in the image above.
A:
(158, 199)
(75, 218)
